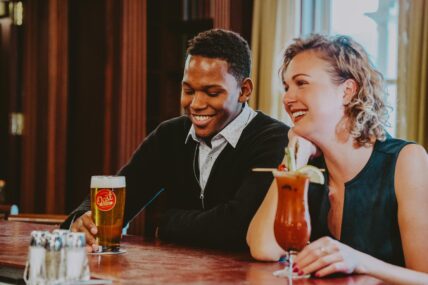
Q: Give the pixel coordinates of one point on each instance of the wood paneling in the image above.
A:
(44, 106)
(10, 146)
(88, 66)
(57, 105)
(34, 160)
(220, 12)
(132, 126)
(107, 107)
(132, 102)
(130, 105)
(165, 61)
(241, 17)
(235, 15)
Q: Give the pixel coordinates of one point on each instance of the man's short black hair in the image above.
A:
(225, 45)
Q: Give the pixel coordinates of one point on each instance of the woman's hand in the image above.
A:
(327, 256)
(303, 149)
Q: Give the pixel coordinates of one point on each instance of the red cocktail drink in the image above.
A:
(292, 225)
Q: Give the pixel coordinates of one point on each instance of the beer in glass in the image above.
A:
(107, 206)
(292, 225)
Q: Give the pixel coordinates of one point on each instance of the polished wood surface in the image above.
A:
(38, 218)
(155, 262)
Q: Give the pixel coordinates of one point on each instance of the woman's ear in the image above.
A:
(246, 90)
(350, 89)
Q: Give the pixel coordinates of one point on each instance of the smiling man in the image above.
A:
(203, 160)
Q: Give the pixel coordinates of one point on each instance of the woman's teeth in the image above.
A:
(298, 113)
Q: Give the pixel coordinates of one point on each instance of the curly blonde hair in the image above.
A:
(367, 110)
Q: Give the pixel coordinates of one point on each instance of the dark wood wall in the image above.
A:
(6, 60)
(107, 105)
(87, 106)
(44, 105)
(10, 102)
(77, 71)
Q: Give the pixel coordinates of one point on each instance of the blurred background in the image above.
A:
(83, 82)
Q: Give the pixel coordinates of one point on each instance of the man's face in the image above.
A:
(210, 95)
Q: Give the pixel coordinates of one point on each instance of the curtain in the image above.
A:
(413, 71)
(275, 22)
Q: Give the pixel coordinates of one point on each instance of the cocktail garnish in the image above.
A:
(289, 166)
(282, 167)
(314, 173)
(290, 159)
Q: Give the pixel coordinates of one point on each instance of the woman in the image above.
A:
(371, 216)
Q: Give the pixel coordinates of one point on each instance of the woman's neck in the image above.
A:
(344, 159)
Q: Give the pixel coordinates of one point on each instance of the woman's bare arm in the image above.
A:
(411, 188)
(260, 235)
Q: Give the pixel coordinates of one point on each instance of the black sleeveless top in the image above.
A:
(370, 222)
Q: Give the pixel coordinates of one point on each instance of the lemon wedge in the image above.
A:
(314, 173)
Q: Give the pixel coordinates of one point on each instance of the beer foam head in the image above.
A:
(108, 181)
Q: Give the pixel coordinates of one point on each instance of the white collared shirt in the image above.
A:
(230, 134)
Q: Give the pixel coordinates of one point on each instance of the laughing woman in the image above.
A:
(371, 216)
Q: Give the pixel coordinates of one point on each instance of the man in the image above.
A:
(204, 160)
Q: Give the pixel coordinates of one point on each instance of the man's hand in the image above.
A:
(86, 225)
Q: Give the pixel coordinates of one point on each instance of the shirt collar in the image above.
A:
(232, 132)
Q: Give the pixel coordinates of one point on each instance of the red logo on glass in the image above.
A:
(105, 199)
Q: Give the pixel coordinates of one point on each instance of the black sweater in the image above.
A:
(233, 192)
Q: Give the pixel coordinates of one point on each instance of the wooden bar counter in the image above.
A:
(156, 262)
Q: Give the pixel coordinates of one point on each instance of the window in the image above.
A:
(372, 23)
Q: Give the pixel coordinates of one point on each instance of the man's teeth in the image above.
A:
(298, 113)
(201, 118)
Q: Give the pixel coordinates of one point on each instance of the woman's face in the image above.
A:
(312, 100)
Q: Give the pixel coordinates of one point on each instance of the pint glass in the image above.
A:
(107, 206)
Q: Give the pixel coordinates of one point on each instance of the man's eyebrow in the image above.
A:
(203, 87)
(213, 86)
(185, 83)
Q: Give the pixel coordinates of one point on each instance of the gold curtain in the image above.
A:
(413, 71)
(275, 22)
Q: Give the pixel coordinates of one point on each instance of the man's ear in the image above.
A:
(246, 90)
(350, 89)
